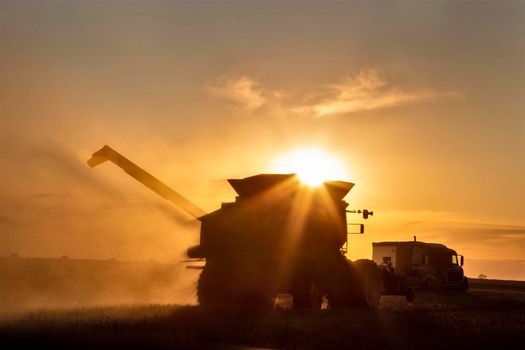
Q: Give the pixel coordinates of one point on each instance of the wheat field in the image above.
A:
(490, 315)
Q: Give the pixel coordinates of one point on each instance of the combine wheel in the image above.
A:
(370, 278)
(344, 289)
(410, 295)
(224, 286)
(307, 297)
(316, 297)
(212, 288)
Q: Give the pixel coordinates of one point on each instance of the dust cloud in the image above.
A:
(39, 283)
(73, 238)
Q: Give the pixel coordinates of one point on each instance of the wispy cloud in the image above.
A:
(365, 91)
(242, 91)
(471, 237)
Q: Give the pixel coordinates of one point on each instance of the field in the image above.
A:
(491, 315)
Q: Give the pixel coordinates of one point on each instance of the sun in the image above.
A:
(312, 165)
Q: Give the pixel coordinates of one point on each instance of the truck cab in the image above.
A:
(422, 265)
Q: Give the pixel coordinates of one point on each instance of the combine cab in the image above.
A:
(279, 236)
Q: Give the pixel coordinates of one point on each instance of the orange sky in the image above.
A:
(422, 103)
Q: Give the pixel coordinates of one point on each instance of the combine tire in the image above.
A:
(212, 288)
(344, 288)
(307, 297)
(304, 288)
(223, 287)
(410, 295)
(370, 279)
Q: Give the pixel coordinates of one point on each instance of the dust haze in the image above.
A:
(69, 239)
(36, 283)
(54, 205)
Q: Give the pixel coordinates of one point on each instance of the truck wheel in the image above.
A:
(465, 284)
(370, 280)
(430, 284)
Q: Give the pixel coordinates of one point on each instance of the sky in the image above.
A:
(422, 102)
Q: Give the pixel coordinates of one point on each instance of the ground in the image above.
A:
(491, 315)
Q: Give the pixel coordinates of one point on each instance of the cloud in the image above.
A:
(365, 91)
(242, 91)
(473, 238)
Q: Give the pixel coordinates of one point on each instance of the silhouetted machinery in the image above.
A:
(422, 265)
(279, 236)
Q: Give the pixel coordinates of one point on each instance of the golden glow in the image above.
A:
(312, 165)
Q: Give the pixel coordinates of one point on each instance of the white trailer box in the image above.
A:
(398, 254)
(383, 253)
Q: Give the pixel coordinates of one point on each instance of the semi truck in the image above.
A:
(421, 265)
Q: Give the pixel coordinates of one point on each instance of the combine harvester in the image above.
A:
(279, 236)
